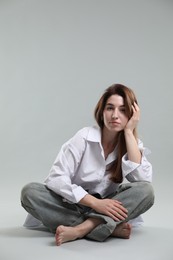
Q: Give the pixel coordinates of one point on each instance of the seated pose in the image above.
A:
(100, 182)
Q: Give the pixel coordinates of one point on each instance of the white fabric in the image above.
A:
(80, 167)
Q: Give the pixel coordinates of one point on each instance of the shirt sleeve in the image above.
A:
(64, 167)
(137, 172)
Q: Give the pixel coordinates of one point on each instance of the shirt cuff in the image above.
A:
(79, 193)
(128, 166)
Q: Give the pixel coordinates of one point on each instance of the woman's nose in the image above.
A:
(115, 114)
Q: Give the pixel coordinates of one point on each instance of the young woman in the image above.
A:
(85, 193)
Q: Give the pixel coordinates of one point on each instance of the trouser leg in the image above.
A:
(136, 197)
(49, 207)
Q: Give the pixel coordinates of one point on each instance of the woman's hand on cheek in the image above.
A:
(133, 121)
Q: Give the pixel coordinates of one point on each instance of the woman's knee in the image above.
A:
(28, 192)
(147, 189)
(140, 190)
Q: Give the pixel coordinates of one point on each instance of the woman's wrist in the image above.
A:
(128, 131)
(89, 201)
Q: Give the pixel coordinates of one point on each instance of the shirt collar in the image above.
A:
(111, 157)
(94, 134)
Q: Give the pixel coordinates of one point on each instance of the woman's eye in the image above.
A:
(109, 108)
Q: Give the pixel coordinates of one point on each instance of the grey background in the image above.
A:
(56, 59)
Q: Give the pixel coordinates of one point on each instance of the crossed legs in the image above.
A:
(70, 222)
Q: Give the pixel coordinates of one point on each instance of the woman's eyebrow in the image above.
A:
(110, 104)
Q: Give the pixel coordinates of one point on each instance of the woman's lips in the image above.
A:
(115, 123)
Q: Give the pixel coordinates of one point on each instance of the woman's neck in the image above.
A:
(109, 141)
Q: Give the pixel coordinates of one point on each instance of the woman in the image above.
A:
(85, 194)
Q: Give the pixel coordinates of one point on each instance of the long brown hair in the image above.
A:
(129, 98)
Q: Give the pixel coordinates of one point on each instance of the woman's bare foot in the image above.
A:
(65, 234)
(123, 230)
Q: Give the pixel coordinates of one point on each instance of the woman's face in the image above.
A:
(114, 115)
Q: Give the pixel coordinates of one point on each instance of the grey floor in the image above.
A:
(153, 241)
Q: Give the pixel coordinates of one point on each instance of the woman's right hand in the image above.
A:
(111, 208)
(108, 207)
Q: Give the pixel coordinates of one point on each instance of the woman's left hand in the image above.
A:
(133, 121)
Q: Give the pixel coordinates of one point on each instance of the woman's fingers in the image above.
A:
(118, 205)
(117, 216)
(136, 110)
(118, 211)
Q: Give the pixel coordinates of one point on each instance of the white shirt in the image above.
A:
(80, 168)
